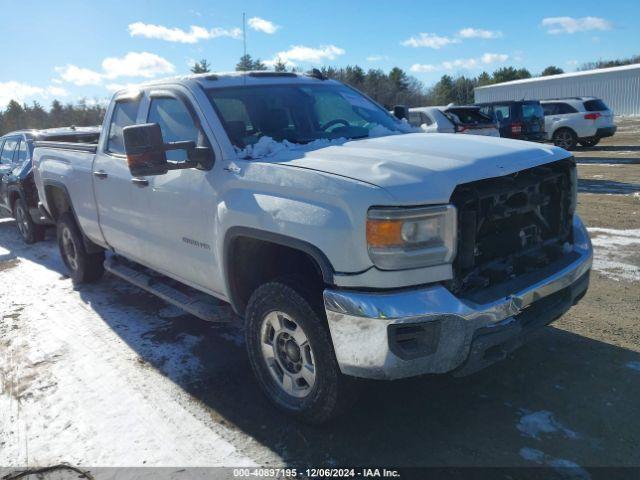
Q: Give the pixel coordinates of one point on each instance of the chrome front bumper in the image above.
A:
(445, 332)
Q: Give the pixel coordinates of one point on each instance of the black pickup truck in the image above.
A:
(18, 194)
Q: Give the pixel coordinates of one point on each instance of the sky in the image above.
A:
(72, 50)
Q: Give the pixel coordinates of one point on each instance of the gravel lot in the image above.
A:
(109, 375)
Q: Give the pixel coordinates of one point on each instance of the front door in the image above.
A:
(179, 208)
(115, 192)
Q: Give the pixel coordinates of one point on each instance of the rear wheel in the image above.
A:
(291, 353)
(30, 231)
(83, 267)
(565, 138)
(589, 142)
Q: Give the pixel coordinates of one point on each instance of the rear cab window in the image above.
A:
(596, 105)
(124, 114)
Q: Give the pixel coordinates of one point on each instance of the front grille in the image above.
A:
(512, 225)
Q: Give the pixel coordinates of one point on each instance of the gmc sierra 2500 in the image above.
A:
(351, 246)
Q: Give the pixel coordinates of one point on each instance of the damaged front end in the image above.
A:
(513, 225)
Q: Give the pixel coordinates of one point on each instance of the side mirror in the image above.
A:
(145, 149)
(401, 111)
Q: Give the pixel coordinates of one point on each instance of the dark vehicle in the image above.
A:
(18, 194)
(522, 120)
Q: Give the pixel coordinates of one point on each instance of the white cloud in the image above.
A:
(262, 25)
(377, 58)
(429, 40)
(79, 76)
(22, 92)
(479, 33)
(136, 64)
(114, 87)
(133, 64)
(300, 53)
(193, 35)
(461, 64)
(556, 25)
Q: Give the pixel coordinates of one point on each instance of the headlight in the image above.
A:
(399, 238)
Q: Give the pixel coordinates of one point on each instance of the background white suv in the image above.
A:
(584, 120)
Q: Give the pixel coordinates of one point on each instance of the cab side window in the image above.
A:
(124, 114)
(502, 112)
(176, 123)
(566, 108)
(8, 149)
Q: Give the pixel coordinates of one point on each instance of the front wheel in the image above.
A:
(30, 231)
(291, 354)
(565, 138)
(590, 142)
(83, 267)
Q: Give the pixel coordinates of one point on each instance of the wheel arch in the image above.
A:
(242, 276)
(59, 202)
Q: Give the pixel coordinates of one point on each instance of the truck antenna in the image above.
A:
(244, 44)
(244, 34)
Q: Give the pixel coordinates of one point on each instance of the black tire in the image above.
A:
(332, 393)
(589, 142)
(30, 231)
(565, 138)
(83, 267)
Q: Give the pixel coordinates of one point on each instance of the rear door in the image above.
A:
(532, 118)
(504, 116)
(7, 153)
(597, 106)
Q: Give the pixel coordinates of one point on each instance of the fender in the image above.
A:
(326, 269)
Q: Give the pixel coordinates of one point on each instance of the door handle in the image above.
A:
(100, 174)
(140, 182)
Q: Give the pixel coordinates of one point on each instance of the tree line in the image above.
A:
(18, 116)
(395, 87)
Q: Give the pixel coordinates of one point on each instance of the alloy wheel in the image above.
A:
(22, 221)
(288, 354)
(69, 249)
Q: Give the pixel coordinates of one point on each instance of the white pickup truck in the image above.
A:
(349, 247)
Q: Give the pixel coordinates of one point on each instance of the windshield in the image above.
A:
(299, 113)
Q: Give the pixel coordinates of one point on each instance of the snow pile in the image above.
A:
(615, 253)
(532, 424)
(267, 146)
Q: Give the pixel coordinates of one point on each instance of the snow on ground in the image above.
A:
(616, 253)
(73, 390)
(533, 424)
(566, 468)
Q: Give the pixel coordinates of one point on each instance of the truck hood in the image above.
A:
(422, 167)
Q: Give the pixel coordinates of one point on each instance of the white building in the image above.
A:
(619, 87)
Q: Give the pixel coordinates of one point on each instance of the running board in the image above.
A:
(188, 299)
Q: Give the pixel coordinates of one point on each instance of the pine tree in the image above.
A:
(201, 67)
(279, 65)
